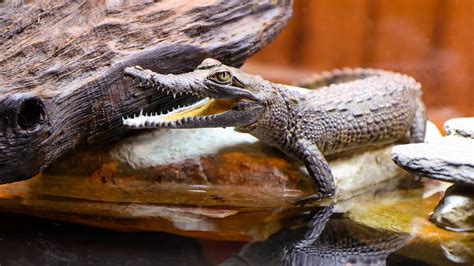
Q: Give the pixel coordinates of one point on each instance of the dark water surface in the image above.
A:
(330, 238)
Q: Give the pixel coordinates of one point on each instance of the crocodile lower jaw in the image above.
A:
(203, 109)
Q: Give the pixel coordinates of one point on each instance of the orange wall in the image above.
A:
(431, 40)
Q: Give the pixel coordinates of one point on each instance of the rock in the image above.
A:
(449, 159)
(455, 212)
(408, 211)
(210, 162)
(463, 127)
(212, 183)
(447, 163)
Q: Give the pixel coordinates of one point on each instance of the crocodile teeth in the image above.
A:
(153, 119)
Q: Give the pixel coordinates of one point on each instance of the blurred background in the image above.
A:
(432, 40)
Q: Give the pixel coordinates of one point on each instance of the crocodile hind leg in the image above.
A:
(318, 169)
(418, 129)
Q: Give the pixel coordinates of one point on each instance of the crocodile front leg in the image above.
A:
(318, 169)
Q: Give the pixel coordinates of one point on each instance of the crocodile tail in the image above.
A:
(342, 75)
(418, 128)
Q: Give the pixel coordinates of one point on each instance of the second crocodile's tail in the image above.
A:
(341, 76)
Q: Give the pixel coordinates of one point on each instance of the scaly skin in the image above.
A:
(351, 108)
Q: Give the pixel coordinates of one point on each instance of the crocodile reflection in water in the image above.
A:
(335, 241)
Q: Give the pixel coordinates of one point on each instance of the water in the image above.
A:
(381, 228)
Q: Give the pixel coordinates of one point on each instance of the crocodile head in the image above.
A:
(224, 97)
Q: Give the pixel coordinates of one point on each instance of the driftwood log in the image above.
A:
(61, 64)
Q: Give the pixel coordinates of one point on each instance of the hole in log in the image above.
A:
(31, 114)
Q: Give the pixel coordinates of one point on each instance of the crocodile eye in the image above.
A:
(222, 77)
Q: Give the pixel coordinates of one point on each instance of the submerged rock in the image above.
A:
(456, 210)
(408, 212)
(449, 159)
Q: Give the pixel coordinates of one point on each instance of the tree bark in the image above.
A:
(61, 64)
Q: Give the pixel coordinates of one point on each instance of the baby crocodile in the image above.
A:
(351, 108)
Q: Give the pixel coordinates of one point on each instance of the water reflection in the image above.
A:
(30, 241)
(330, 239)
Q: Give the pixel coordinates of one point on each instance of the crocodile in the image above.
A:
(347, 109)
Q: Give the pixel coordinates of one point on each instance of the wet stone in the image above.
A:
(455, 212)
(408, 211)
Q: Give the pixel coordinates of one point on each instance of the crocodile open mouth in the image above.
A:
(198, 109)
(202, 109)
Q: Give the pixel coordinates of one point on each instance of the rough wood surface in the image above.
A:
(61, 62)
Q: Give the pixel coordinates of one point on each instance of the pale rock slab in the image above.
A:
(442, 162)
(450, 158)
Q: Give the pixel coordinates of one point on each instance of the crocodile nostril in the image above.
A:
(31, 114)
